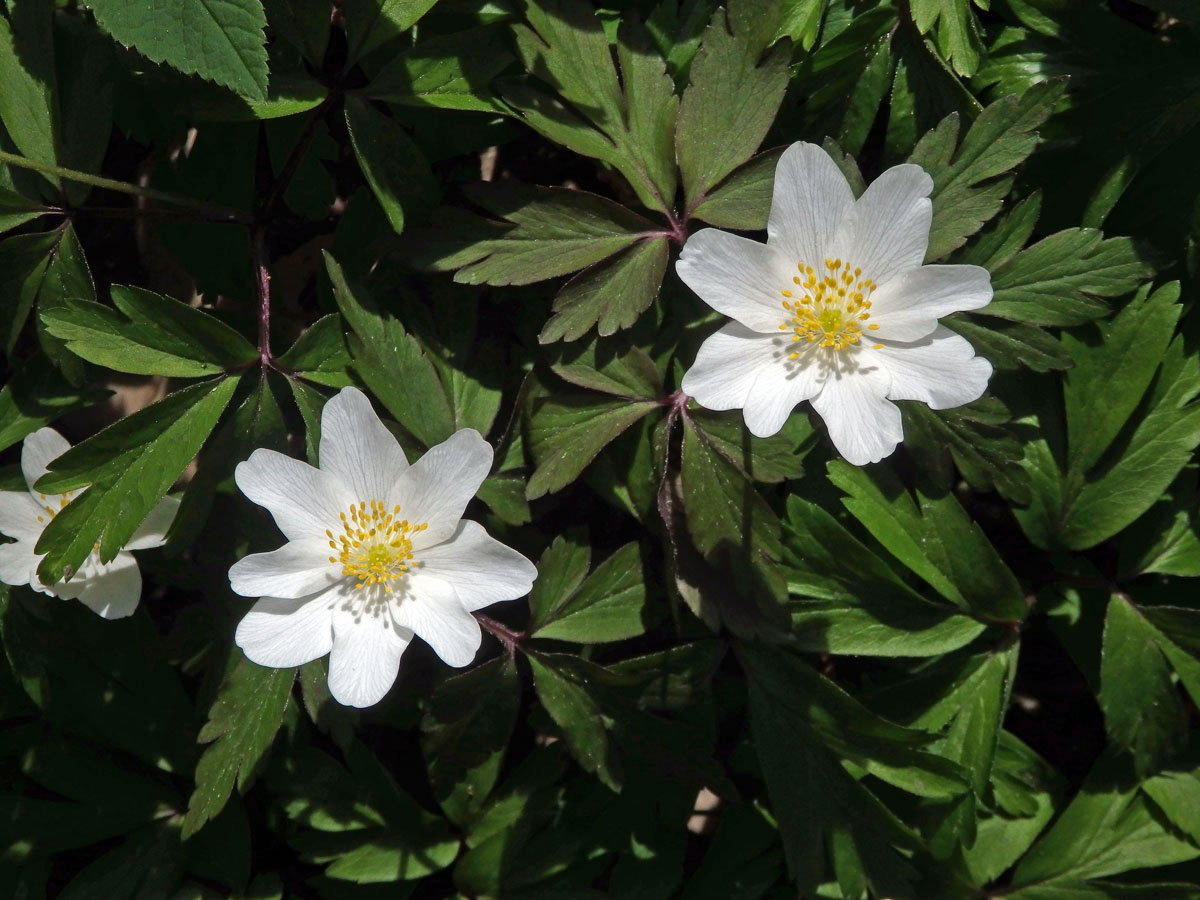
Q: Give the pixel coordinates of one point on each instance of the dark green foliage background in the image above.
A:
(969, 671)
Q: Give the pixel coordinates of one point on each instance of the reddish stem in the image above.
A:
(262, 270)
(505, 635)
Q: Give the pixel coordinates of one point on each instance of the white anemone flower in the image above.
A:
(377, 552)
(836, 308)
(110, 589)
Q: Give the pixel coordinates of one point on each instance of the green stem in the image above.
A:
(213, 211)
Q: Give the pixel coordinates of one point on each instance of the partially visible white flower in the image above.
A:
(111, 589)
(377, 552)
(836, 308)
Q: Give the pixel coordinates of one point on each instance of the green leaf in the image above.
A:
(802, 726)
(1011, 345)
(129, 466)
(1175, 633)
(14, 208)
(925, 91)
(28, 103)
(1107, 829)
(724, 511)
(970, 183)
(1167, 540)
(451, 71)
(743, 200)
(1177, 794)
(320, 354)
(548, 232)
(933, 537)
(1057, 281)
(1086, 508)
(567, 432)
(376, 22)
(970, 715)
(772, 459)
(734, 90)
(385, 858)
(958, 31)
(504, 493)
(610, 294)
(1141, 709)
(858, 604)
(35, 396)
(395, 168)
(392, 362)
(305, 25)
(609, 606)
(562, 683)
(156, 335)
(149, 860)
(289, 94)
(986, 453)
(1005, 236)
(464, 735)
(24, 263)
(219, 40)
(1017, 774)
(240, 729)
(802, 21)
(561, 569)
(1110, 375)
(310, 402)
(86, 85)
(611, 367)
(633, 111)
(847, 629)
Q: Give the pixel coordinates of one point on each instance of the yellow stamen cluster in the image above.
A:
(830, 308)
(374, 546)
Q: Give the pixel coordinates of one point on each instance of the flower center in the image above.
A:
(374, 546)
(829, 306)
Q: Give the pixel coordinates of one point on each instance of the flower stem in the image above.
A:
(212, 211)
(505, 635)
(262, 271)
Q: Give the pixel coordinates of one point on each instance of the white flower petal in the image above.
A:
(366, 656)
(18, 564)
(437, 487)
(19, 516)
(281, 633)
(737, 277)
(942, 370)
(303, 501)
(887, 231)
(40, 449)
(297, 569)
(481, 570)
(153, 530)
(111, 590)
(727, 365)
(780, 387)
(863, 425)
(357, 447)
(907, 307)
(810, 198)
(438, 617)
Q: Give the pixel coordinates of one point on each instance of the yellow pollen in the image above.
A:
(832, 307)
(375, 547)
